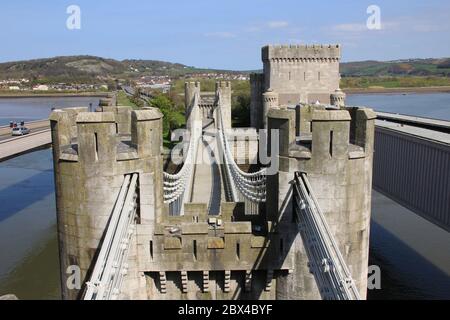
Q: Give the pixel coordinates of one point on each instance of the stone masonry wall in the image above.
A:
(90, 163)
(340, 172)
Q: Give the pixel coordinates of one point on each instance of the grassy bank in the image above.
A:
(393, 82)
(124, 100)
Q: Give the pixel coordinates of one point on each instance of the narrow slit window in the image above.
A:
(151, 249)
(290, 76)
(96, 145)
(238, 250)
(194, 245)
(318, 76)
(331, 143)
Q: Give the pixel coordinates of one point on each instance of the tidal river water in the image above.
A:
(413, 254)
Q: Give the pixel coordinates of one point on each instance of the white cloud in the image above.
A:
(253, 29)
(221, 34)
(424, 27)
(349, 27)
(359, 29)
(295, 40)
(278, 24)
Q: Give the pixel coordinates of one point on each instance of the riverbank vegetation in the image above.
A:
(393, 82)
(174, 117)
(124, 100)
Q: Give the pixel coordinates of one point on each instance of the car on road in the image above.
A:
(20, 131)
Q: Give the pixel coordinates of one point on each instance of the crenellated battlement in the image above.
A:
(317, 132)
(223, 84)
(334, 147)
(301, 53)
(116, 135)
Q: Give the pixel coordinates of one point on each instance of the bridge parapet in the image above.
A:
(212, 249)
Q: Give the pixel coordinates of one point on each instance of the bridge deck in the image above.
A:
(207, 183)
(411, 166)
(10, 146)
(429, 123)
(418, 132)
(13, 147)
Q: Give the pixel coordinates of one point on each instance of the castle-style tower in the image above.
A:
(298, 74)
(335, 149)
(90, 162)
(191, 89)
(223, 89)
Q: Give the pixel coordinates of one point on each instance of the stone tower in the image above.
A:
(191, 89)
(298, 73)
(335, 149)
(223, 88)
(91, 157)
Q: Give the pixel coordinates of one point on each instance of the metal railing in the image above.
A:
(111, 264)
(177, 186)
(325, 259)
(247, 187)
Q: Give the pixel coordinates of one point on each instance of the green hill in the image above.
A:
(90, 69)
(410, 67)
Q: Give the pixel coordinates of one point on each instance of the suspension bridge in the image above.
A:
(197, 181)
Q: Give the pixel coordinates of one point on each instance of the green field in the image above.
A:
(393, 82)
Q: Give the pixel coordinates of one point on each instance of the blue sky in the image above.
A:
(221, 34)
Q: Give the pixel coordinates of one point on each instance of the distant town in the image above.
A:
(157, 82)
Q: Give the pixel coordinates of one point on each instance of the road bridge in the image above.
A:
(38, 138)
(412, 165)
(419, 122)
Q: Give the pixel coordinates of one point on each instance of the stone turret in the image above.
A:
(337, 156)
(90, 161)
(298, 73)
(257, 90)
(270, 101)
(224, 89)
(338, 98)
(192, 114)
